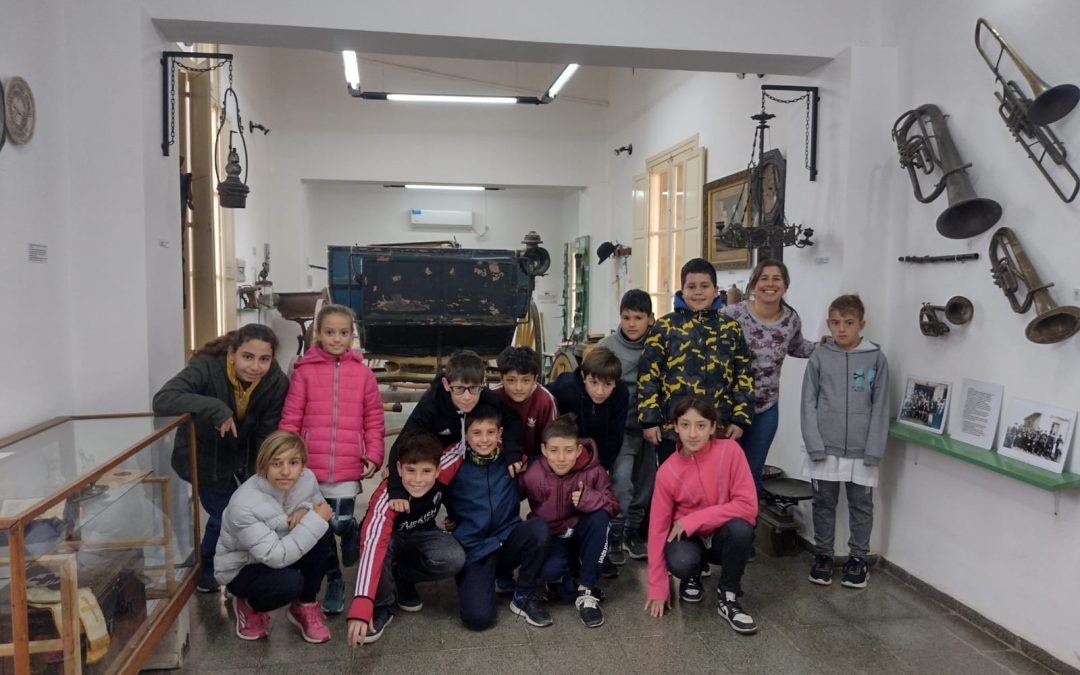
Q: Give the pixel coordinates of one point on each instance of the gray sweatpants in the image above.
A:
(860, 500)
(632, 477)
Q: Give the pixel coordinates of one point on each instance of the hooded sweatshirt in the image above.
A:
(604, 422)
(549, 494)
(845, 403)
(334, 404)
(629, 353)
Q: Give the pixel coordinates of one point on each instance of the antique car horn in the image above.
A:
(958, 310)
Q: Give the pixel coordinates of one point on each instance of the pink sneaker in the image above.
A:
(310, 620)
(250, 625)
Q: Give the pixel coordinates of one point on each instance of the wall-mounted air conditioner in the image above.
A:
(431, 219)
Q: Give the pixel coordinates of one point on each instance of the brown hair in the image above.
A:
(231, 341)
(329, 309)
(602, 363)
(699, 405)
(482, 413)
(278, 443)
(465, 366)
(563, 426)
(848, 304)
(421, 447)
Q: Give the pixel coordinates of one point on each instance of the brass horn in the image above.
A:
(958, 310)
(967, 214)
(1010, 265)
(1027, 118)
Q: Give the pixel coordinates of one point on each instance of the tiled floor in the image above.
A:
(886, 628)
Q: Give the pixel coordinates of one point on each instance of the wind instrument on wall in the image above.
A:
(958, 310)
(1027, 117)
(1010, 266)
(967, 214)
(959, 257)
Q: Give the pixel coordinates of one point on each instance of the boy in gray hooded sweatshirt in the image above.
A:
(845, 423)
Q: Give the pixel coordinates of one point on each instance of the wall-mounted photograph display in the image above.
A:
(925, 405)
(1037, 434)
(976, 420)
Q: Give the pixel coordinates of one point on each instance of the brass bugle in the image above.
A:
(958, 310)
(1050, 103)
(1010, 267)
(932, 148)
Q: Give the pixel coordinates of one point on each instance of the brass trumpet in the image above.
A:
(967, 214)
(958, 310)
(1026, 118)
(1010, 266)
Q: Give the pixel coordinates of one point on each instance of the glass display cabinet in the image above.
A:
(98, 538)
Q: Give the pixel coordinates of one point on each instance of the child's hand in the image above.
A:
(653, 607)
(324, 510)
(227, 426)
(449, 525)
(385, 472)
(400, 505)
(575, 496)
(652, 435)
(370, 468)
(357, 632)
(516, 468)
(733, 431)
(677, 531)
(296, 516)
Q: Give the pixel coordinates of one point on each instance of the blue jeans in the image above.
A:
(757, 440)
(214, 504)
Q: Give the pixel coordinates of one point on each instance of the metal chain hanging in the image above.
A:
(806, 132)
(174, 65)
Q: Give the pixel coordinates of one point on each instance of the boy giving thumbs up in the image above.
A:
(571, 492)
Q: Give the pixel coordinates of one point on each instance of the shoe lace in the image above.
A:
(587, 599)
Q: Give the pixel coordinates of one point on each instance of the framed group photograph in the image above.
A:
(1037, 434)
(925, 405)
(727, 204)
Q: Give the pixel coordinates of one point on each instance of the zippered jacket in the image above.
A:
(604, 423)
(203, 389)
(845, 403)
(704, 490)
(549, 494)
(484, 505)
(334, 404)
(535, 412)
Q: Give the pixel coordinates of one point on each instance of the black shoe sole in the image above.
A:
(737, 629)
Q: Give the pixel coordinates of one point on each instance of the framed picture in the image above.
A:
(925, 405)
(727, 204)
(1037, 434)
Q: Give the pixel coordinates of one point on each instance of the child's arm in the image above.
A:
(798, 346)
(182, 395)
(808, 413)
(742, 495)
(511, 427)
(741, 395)
(375, 533)
(878, 432)
(266, 547)
(651, 369)
(597, 494)
(374, 424)
(292, 413)
(663, 505)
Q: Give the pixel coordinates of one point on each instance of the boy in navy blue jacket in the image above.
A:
(600, 400)
(483, 505)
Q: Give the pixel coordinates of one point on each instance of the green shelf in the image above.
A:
(988, 459)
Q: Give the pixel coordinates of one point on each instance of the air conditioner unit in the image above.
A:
(430, 219)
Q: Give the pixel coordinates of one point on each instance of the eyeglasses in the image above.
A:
(458, 390)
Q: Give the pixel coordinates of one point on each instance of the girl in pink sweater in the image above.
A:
(704, 508)
(334, 405)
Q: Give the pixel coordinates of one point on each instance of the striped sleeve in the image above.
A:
(374, 541)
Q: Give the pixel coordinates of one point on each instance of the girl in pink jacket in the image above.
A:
(334, 404)
(704, 508)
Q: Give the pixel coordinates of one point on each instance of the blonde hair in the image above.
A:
(279, 443)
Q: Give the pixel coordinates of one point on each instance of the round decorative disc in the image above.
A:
(3, 136)
(19, 111)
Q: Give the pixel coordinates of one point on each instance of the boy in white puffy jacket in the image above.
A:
(275, 538)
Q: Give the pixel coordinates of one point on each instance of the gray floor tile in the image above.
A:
(971, 634)
(672, 654)
(958, 664)
(508, 660)
(770, 650)
(222, 650)
(306, 668)
(872, 603)
(914, 638)
(1017, 663)
(584, 656)
(844, 649)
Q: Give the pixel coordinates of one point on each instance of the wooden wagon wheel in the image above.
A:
(530, 330)
(565, 362)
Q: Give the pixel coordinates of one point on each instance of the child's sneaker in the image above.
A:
(615, 551)
(407, 597)
(608, 570)
(528, 605)
(588, 606)
(636, 546)
(207, 582)
(504, 586)
(250, 625)
(856, 573)
(310, 620)
(822, 570)
(691, 590)
(350, 544)
(727, 605)
(380, 619)
(334, 598)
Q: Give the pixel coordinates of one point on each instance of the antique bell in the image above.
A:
(232, 192)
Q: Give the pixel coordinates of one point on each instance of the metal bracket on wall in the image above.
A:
(811, 123)
(168, 103)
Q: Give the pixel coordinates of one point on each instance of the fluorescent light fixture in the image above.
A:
(562, 79)
(443, 98)
(417, 186)
(352, 69)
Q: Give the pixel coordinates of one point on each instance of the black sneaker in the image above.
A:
(350, 544)
(588, 606)
(408, 599)
(528, 605)
(334, 598)
(822, 569)
(856, 573)
(615, 553)
(727, 605)
(691, 590)
(380, 619)
(608, 570)
(636, 546)
(207, 582)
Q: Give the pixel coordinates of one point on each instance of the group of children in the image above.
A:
(644, 461)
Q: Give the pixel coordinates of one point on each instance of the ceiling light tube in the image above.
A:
(562, 79)
(417, 186)
(352, 69)
(445, 98)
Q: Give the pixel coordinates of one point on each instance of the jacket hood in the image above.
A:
(316, 354)
(588, 458)
(863, 346)
(681, 304)
(632, 344)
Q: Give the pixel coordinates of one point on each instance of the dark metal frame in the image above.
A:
(166, 60)
(814, 98)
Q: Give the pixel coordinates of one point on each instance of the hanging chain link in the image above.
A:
(806, 133)
(175, 64)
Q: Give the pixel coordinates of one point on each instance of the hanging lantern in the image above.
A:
(232, 192)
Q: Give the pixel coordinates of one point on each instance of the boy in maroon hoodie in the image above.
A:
(571, 492)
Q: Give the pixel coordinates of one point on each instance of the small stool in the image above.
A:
(778, 495)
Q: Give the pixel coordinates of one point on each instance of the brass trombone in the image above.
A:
(1026, 118)
(1009, 266)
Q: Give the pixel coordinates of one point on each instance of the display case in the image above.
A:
(98, 542)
